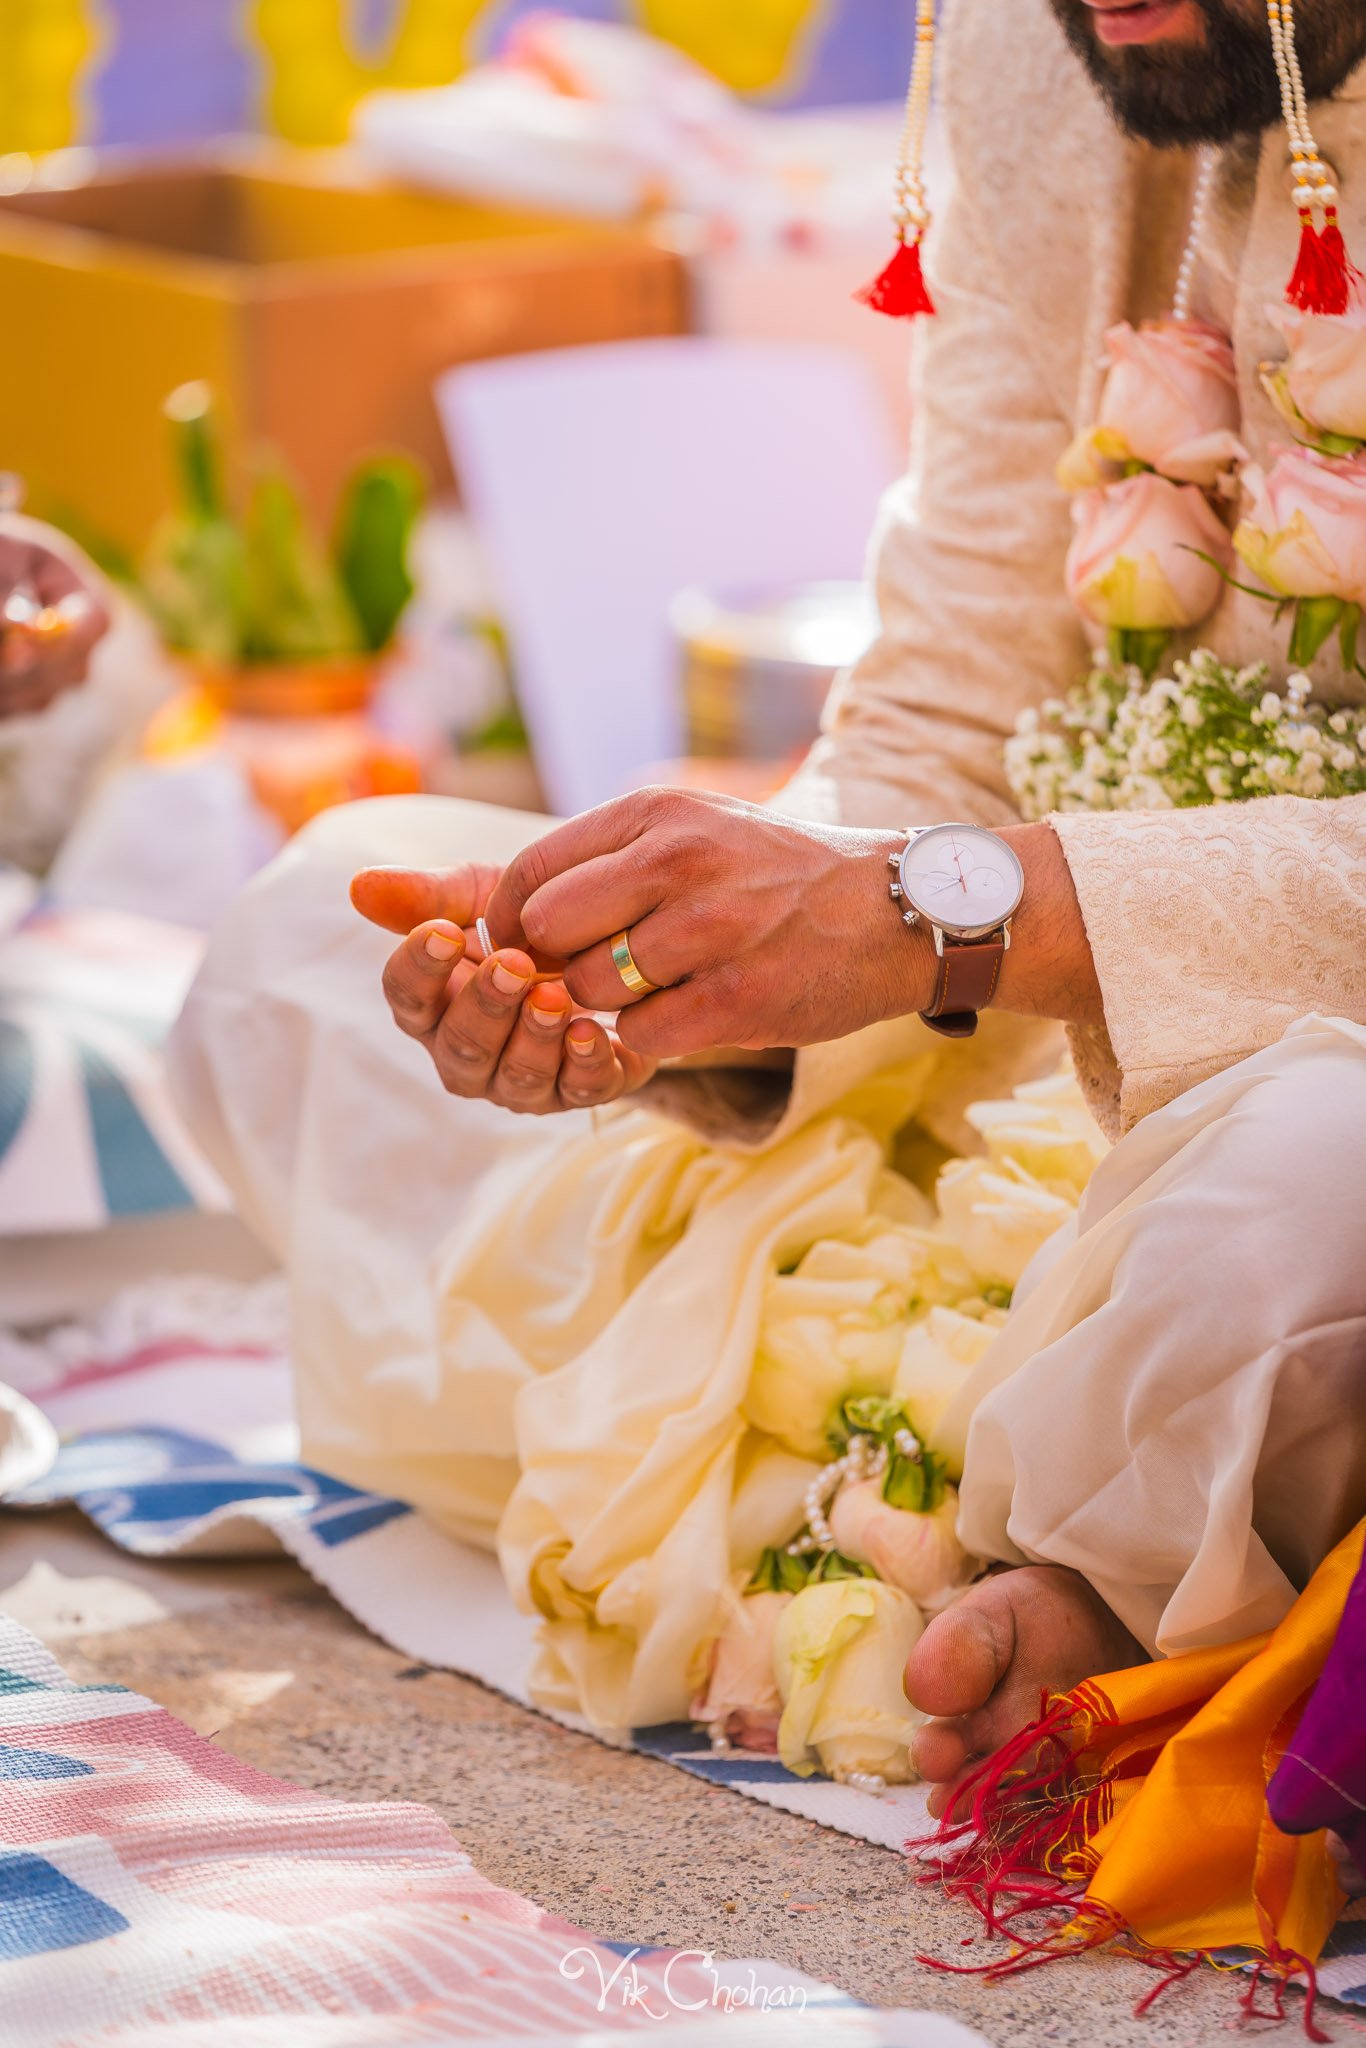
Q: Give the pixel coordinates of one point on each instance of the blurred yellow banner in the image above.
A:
(750, 44)
(46, 49)
(315, 76)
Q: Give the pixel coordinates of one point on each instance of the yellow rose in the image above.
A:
(839, 1654)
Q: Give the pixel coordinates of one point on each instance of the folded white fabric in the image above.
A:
(28, 1442)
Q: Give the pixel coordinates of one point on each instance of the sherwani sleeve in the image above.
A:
(969, 555)
(976, 624)
(1212, 931)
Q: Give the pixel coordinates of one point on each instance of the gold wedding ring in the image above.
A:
(627, 969)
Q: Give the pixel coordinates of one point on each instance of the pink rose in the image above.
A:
(1170, 401)
(1172, 398)
(1321, 387)
(1133, 565)
(741, 1700)
(918, 1553)
(1303, 529)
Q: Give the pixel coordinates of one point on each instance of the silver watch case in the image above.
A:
(900, 894)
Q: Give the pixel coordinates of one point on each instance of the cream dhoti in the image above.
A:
(1177, 1406)
(482, 1304)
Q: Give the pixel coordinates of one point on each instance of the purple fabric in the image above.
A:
(1321, 1782)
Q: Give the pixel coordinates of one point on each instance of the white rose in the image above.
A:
(839, 1653)
(1045, 1128)
(998, 1216)
(768, 1506)
(918, 1553)
(936, 1358)
(819, 1341)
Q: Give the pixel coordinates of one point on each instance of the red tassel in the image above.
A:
(1324, 279)
(900, 290)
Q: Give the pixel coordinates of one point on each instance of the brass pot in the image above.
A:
(757, 665)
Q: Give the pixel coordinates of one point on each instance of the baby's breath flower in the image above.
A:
(1206, 733)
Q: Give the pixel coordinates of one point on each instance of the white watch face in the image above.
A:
(961, 877)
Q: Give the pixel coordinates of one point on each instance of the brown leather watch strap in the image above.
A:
(969, 970)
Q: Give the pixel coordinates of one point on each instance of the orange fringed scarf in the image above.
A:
(1135, 1809)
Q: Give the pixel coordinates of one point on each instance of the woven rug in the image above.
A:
(178, 1443)
(154, 1889)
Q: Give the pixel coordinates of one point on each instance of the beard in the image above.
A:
(1176, 95)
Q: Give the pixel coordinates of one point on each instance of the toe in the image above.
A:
(945, 1800)
(962, 1655)
(939, 1752)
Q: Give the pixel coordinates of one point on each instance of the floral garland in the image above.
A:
(1156, 474)
(864, 1346)
(1166, 502)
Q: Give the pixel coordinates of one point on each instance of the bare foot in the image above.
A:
(983, 1664)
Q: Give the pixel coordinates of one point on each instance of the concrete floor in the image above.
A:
(632, 1849)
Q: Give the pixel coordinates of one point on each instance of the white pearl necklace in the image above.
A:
(1313, 186)
(865, 1458)
(1190, 255)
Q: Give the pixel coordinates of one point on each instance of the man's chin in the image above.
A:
(1176, 72)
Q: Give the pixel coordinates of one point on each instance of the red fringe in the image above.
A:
(1023, 1849)
(900, 290)
(1324, 279)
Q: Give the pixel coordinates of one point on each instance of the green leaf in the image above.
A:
(297, 609)
(915, 1484)
(190, 411)
(1337, 444)
(370, 547)
(873, 1415)
(832, 1564)
(1347, 637)
(779, 1572)
(1248, 589)
(1315, 619)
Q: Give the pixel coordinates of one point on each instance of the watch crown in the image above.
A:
(897, 892)
(894, 860)
(910, 916)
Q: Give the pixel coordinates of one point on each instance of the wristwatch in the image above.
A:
(965, 884)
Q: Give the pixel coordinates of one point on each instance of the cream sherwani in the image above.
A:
(1164, 1368)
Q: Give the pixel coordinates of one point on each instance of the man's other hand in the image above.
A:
(503, 1029)
(50, 622)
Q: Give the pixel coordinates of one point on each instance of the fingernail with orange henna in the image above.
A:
(506, 982)
(444, 945)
